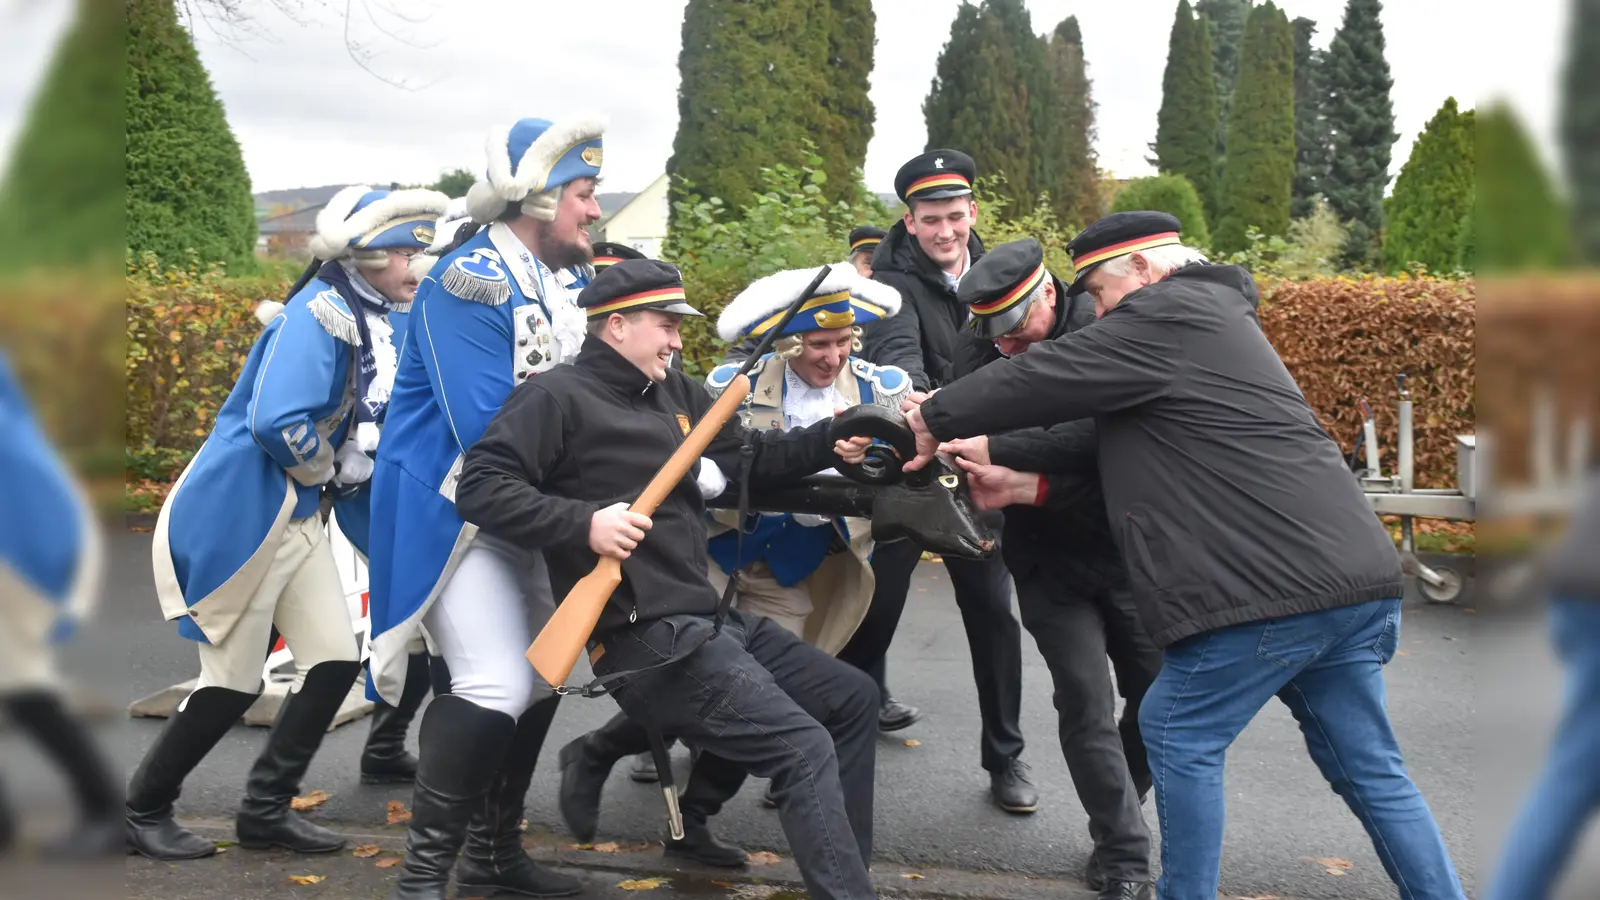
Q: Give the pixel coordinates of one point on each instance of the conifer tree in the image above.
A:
(852, 36)
(1258, 174)
(1225, 22)
(1433, 196)
(187, 188)
(1519, 222)
(1580, 126)
(1076, 197)
(1186, 126)
(979, 103)
(1310, 131)
(1360, 120)
(1169, 194)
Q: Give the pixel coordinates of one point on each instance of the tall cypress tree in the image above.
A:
(1225, 21)
(979, 104)
(1310, 131)
(1519, 222)
(1076, 199)
(1580, 126)
(1360, 118)
(852, 34)
(1186, 126)
(754, 87)
(1433, 196)
(61, 200)
(187, 188)
(1258, 174)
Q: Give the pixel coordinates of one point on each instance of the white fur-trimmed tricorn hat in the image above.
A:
(843, 299)
(529, 161)
(360, 221)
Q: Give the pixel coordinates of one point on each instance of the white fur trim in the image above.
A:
(484, 205)
(267, 310)
(337, 226)
(533, 170)
(773, 294)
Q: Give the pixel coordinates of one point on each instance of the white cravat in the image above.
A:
(804, 404)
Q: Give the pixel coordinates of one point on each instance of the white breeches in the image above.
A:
(761, 594)
(483, 622)
(303, 595)
(27, 661)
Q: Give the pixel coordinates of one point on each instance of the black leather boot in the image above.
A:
(193, 729)
(493, 859)
(462, 744)
(68, 743)
(585, 762)
(700, 845)
(265, 819)
(8, 825)
(385, 760)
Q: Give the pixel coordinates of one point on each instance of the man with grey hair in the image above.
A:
(1256, 563)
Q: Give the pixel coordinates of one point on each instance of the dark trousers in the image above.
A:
(761, 698)
(1076, 630)
(713, 781)
(983, 594)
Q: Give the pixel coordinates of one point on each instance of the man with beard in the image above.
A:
(240, 547)
(493, 312)
(924, 257)
(1072, 588)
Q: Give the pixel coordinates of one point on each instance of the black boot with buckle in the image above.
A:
(194, 727)
(265, 818)
(493, 859)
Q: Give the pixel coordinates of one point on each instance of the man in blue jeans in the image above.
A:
(1567, 794)
(1255, 562)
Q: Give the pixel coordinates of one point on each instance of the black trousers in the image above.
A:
(983, 594)
(761, 698)
(1077, 625)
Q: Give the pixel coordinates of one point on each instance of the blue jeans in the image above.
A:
(1327, 667)
(1567, 793)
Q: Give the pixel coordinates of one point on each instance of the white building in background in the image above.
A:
(642, 223)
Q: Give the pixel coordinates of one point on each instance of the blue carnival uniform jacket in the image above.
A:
(263, 464)
(459, 360)
(49, 545)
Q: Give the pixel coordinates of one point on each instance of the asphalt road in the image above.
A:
(933, 813)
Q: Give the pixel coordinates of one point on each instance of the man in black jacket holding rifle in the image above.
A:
(556, 469)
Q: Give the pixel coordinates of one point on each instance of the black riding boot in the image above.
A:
(193, 729)
(494, 859)
(69, 745)
(385, 760)
(462, 744)
(586, 761)
(265, 819)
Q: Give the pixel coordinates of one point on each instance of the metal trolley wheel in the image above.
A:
(1448, 589)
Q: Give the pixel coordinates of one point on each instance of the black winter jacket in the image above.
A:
(582, 437)
(927, 338)
(1229, 502)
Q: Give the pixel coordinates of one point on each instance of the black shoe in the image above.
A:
(1127, 890)
(894, 715)
(463, 744)
(191, 731)
(1011, 788)
(384, 760)
(265, 819)
(1093, 875)
(493, 859)
(700, 845)
(644, 769)
(68, 744)
(586, 762)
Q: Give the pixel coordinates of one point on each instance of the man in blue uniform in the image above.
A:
(491, 313)
(240, 546)
(50, 561)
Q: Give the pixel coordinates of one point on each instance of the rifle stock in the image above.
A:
(555, 651)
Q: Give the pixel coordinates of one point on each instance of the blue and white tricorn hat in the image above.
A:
(361, 223)
(444, 234)
(530, 161)
(843, 299)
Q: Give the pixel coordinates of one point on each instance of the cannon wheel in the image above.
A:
(1447, 590)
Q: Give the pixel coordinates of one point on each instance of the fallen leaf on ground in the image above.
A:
(390, 862)
(1402, 653)
(608, 847)
(306, 879)
(912, 742)
(222, 849)
(398, 812)
(764, 858)
(642, 884)
(523, 825)
(1335, 871)
(309, 801)
(224, 843)
(366, 851)
(912, 875)
(580, 846)
(1333, 862)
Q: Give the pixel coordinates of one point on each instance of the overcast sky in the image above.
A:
(306, 114)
